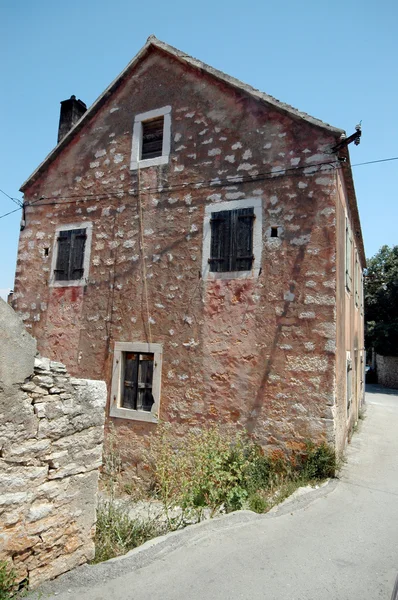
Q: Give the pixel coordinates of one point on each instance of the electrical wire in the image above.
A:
(15, 200)
(213, 183)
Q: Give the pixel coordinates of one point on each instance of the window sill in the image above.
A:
(210, 276)
(149, 162)
(71, 283)
(133, 415)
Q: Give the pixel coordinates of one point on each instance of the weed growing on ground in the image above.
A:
(8, 584)
(117, 532)
(209, 471)
(216, 470)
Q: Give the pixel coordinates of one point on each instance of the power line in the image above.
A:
(15, 200)
(10, 213)
(213, 183)
(372, 162)
(233, 180)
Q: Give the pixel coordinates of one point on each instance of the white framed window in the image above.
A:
(357, 275)
(151, 138)
(232, 239)
(71, 255)
(348, 380)
(348, 256)
(136, 378)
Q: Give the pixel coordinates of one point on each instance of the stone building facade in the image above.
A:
(196, 243)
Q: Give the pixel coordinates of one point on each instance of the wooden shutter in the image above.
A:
(130, 380)
(137, 381)
(348, 256)
(243, 234)
(220, 223)
(76, 260)
(62, 266)
(145, 398)
(152, 138)
(231, 247)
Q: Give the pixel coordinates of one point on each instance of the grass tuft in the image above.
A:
(8, 585)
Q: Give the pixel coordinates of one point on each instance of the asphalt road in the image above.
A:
(339, 542)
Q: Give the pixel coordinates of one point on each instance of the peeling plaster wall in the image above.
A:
(258, 352)
(51, 439)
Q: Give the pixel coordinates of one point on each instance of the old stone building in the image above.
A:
(196, 243)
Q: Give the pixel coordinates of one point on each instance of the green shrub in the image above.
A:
(213, 469)
(207, 469)
(257, 503)
(319, 461)
(8, 584)
(117, 532)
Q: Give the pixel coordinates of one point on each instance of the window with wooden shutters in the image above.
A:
(136, 375)
(348, 256)
(137, 381)
(70, 255)
(232, 240)
(152, 138)
(151, 141)
(349, 380)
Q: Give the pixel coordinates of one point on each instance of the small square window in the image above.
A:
(151, 138)
(136, 376)
(274, 232)
(71, 255)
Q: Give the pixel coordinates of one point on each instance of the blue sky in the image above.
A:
(336, 61)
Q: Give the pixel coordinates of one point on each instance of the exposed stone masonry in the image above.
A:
(51, 436)
(387, 370)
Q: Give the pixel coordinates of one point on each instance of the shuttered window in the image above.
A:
(349, 382)
(70, 255)
(231, 240)
(137, 381)
(152, 138)
(348, 256)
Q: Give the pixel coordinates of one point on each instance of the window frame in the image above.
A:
(348, 257)
(349, 381)
(136, 148)
(53, 282)
(256, 204)
(357, 284)
(115, 408)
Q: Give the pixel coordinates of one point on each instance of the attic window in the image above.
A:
(152, 138)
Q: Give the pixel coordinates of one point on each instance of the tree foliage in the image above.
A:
(381, 301)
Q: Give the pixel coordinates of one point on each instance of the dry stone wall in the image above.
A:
(387, 370)
(51, 439)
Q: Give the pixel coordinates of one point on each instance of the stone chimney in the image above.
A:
(71, 111)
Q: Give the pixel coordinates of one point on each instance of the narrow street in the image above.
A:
(339, 542)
